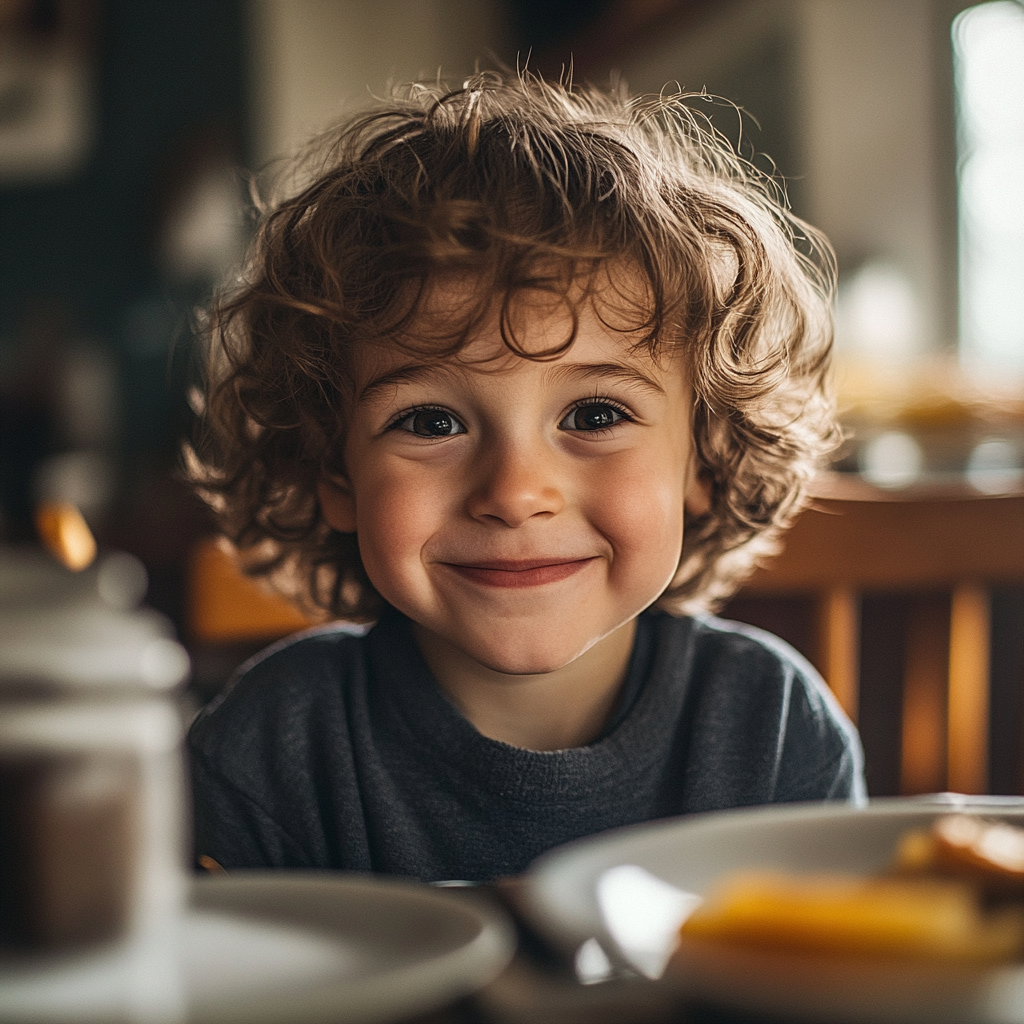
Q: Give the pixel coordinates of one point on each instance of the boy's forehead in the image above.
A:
(598, 353)
(461, 324)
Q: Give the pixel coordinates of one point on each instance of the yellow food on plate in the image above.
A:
(919, 918)
(990, 853)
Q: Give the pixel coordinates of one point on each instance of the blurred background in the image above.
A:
(128, 129)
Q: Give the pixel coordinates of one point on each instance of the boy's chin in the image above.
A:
(520, 664)
(519, 655)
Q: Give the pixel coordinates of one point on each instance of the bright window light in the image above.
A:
(988, 44)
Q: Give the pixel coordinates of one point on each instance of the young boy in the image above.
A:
(528, 376)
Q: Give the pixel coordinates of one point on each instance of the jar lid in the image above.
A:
(81, 632)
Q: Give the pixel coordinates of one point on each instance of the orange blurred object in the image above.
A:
(65, 534)
(990, 853)
(225, 606)
(838, 915)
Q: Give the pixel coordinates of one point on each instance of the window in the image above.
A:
(988, 43)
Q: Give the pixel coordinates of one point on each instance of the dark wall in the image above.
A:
(77, 254)
(166, 73)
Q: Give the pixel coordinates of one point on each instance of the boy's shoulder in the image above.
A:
(310, 645)
(290, 673)
(761, 710)
(726, 638)
(717, 643)
(746, 668)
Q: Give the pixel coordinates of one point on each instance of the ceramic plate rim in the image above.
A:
(396, 991)
(560, 898)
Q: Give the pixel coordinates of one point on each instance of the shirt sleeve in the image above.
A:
(820, 755)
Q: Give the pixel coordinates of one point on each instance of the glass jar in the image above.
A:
(92, 835)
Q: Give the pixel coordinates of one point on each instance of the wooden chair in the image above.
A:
(856, 538)
(225, 607)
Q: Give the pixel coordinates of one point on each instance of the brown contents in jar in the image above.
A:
(68, 848)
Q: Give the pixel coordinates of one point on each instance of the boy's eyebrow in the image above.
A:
(400, 375)
(621, 373)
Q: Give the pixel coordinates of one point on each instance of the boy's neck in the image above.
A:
(550, 711)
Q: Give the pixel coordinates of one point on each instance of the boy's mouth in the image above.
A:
(532, 572)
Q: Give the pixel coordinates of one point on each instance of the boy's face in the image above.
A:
(519, 510)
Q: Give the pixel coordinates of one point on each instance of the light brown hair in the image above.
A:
(522, 184)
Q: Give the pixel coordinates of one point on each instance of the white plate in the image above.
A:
(629, 889)
(272, 947)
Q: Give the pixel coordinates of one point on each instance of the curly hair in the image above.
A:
(517, 184)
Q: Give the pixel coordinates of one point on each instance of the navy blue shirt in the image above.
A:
(336, 750)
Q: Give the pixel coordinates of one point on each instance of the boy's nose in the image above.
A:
(515, 484)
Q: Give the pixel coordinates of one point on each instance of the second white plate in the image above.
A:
(628, 890)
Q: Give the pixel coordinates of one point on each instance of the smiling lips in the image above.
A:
(532, 572)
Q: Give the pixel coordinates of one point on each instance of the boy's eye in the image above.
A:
(430, 423)
(593, 416)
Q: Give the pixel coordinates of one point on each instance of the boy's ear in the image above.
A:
(337, 502)
(697, 498)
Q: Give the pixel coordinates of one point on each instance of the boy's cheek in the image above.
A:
(396, 519)
(406, 505)
(644, 521)
(648, 494)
